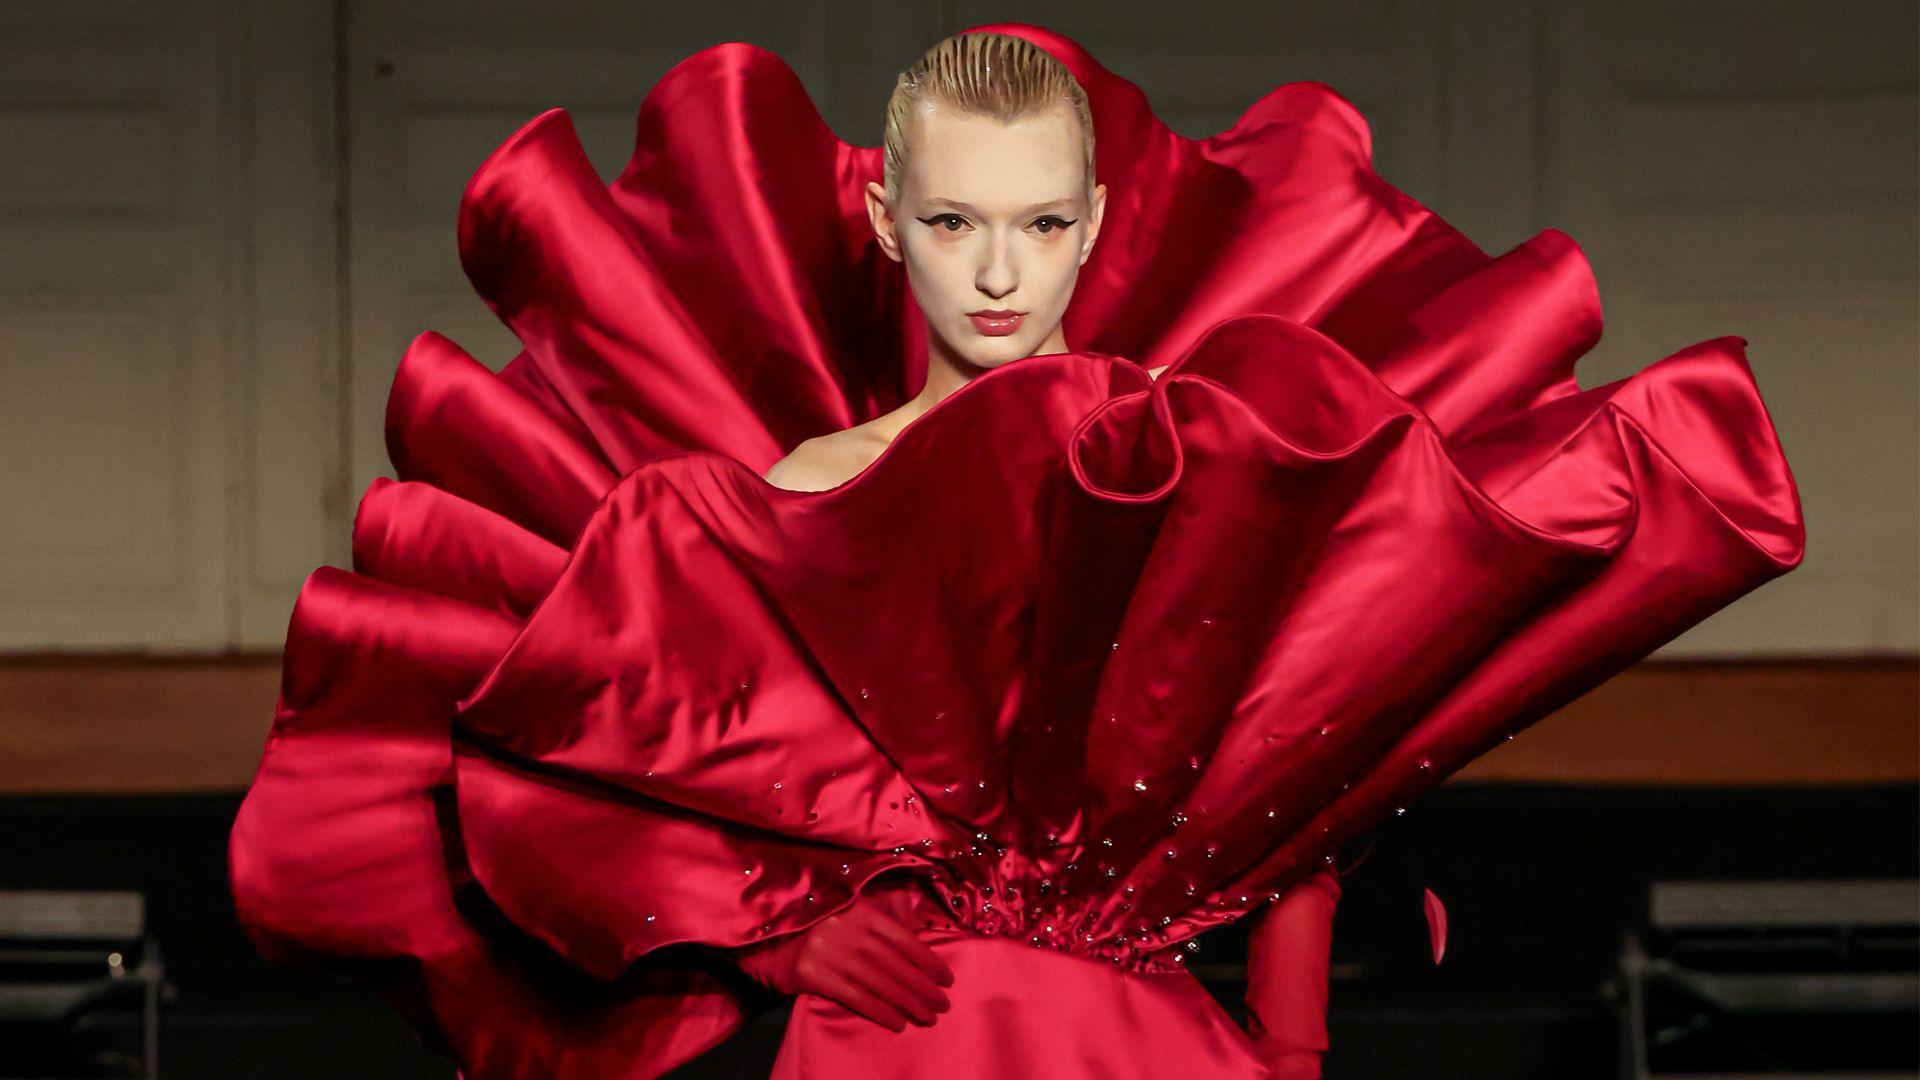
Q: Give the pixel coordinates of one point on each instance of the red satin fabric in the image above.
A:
(1098, 661)
(1020, 1011)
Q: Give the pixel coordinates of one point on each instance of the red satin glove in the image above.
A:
(1287, 959)
(864, 957)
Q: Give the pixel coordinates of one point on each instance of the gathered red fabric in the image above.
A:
(1097, 661)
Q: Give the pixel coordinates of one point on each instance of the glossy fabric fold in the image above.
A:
(1100, 661)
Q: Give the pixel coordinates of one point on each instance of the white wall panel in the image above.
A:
(115, 303)
(291, 509)
(1750, 168)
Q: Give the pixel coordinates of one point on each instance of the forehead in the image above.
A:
(980, 160)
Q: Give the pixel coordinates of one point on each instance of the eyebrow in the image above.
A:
(1035, 208)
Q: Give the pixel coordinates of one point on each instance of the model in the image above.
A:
(943, 580)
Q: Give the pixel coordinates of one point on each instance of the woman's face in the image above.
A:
(993, 218)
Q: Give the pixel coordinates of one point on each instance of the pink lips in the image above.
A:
(996, 323)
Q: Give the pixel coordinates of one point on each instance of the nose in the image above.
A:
(997, 275)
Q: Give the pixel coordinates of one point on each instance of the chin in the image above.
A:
(1007, 357)
(985, 352)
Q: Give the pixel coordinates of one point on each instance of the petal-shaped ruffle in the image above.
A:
(341, 851)
(1106, 656)
(452, 424)
(1180, 631)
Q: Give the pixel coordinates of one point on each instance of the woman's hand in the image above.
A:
(861, 956)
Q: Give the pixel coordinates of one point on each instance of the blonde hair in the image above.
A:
(994, 75)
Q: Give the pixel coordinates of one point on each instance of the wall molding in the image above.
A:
(131, 725)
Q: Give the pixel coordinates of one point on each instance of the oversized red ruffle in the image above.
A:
(1106, 660)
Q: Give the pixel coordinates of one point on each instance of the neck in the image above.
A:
(947, 371)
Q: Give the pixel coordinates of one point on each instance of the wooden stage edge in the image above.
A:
(126, 725)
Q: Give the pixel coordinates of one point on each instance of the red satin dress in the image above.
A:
(1086, 661)
(1021, 1011)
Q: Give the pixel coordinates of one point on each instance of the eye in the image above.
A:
(937, 218)
(1058, 223)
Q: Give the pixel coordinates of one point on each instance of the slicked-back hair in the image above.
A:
(995, 75)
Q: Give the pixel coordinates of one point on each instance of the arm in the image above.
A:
(1287, 957)
(865, 957)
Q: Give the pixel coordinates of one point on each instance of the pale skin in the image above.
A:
(989, 215)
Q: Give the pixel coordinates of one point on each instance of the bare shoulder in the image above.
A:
(803, 469)
(825, 461)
